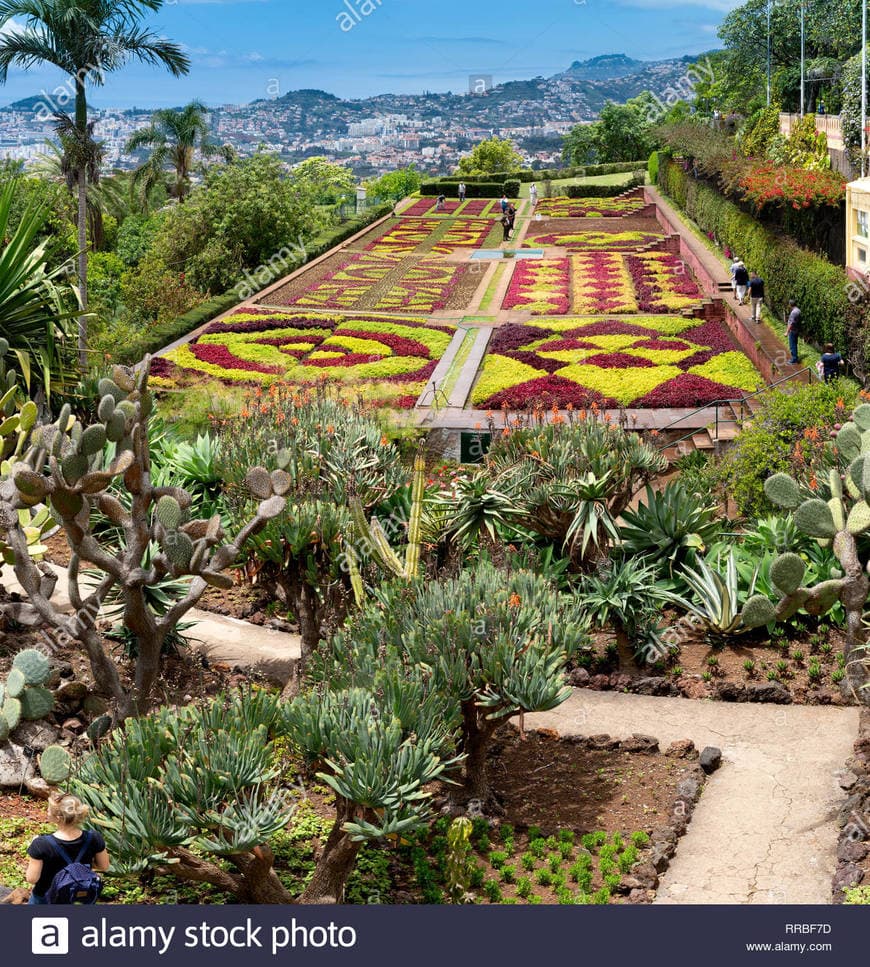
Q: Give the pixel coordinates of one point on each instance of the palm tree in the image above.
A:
(86, 39)
(33, 317)
(175, 136)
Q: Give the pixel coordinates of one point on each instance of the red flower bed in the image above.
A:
(612, 328)
(548, 391)
(401, 345)
(567, 345)
(221, 356)
(531, 358)
(712, 334)
(673, 344)
(514, 336)
(779, 186)
(688, 391)
(619, 361)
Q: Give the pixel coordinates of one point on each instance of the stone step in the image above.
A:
(703, 441)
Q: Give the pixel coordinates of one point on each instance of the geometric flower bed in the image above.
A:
(589, 207)
(471, 208)
(644, 362)
(381, 283)
(420, 235)
(392, 358)
(584, 241)
(602, 282)
(540, 287)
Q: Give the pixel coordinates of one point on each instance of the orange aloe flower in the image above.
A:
(515, 600)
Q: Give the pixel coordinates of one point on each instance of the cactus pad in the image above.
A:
(12, 712)
(116, 427)
(787, 572)
(859, 518)
(169, 513)
(93, 440)
(783, 491)
(281, 482)
(99, 727)
(215, 580)
(16, 682)
(31, 484)
(259, 482)
(106, 408)
(861, 417)
(55, 764)
(74, 467)
(823, 597)
(849, 441)
(36, 702)
(108, 388)
(758, 611)
(33, 665)
(67, 504)
(814, 517)
(179, 549)
(4, 728)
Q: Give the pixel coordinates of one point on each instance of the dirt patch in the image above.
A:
(800, 664)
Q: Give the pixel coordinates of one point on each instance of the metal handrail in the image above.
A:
(716, 404)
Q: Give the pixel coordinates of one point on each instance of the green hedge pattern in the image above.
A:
(479, 189)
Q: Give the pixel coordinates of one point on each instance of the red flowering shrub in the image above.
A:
(778, 186)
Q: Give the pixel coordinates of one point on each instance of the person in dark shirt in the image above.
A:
(832, 363)
(69, 813)
(756, 296)
(793, 329)
(741, 282)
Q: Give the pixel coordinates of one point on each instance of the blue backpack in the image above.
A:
(76, 882)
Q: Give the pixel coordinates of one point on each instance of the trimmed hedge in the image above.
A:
(157, 337)
(820, 288)
(527, 174)
(603, 191)
(489, 189)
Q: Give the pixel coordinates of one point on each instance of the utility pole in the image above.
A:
(803, 60)
(863, 88)
(769, 9)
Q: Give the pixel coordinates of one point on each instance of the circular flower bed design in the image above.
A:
(643, 362)
(390, 358)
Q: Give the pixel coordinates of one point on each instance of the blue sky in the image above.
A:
(245, 49)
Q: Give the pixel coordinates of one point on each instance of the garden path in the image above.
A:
(764, 831)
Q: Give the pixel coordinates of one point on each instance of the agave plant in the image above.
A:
(35, 302)
(716, 599)
(669, 526)
(476, 506)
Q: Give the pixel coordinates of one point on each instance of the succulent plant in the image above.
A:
(34, 665)
(16, 682)
(36, 702)
(12, 712)
(55, 765)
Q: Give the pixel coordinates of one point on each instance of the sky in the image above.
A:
(242, 50)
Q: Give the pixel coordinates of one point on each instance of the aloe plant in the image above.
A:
(716, 597)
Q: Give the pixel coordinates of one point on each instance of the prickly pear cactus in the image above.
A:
(55, 765)
(838, 523)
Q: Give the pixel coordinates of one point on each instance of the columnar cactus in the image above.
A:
(72, 470)
(837, 523)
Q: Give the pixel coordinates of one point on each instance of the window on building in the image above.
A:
(863, 223)
(862, 254)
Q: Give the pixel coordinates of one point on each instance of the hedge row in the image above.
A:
(820, 288)
(157, 337)
(603, 191)
(490, 189)
(528, 174)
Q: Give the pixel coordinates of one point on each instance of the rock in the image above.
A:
(771, 692)
(651, 686)
(647, 875)
(847, 876)
(692, 688)
(640, 743)
(689, 790)
(731, 692)
(15, 898)
(36, 735)
(639, 896)
(663, 834)
(620, 682)
(72, 693)
(15, 766)
(603, 742)
(37, 786)
(95, 705)
(850, 810)
(73, 725)
(682, 749)
(579, 677)
(711, 759)
(660, 859)
(64, 669)
(600, 682)
(848, 780)
(851, 851)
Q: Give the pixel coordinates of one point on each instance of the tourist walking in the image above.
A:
(756, 296)
(504, 204)
(793, 329)
(64, 864)
(735, 261)
(741, 282)
(832, 363)
(533, 194)
(439, 207)
(512, 215)
(462, 191)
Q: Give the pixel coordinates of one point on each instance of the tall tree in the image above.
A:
(86, 39)
(175, 137)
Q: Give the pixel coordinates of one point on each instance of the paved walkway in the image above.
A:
(764, 830)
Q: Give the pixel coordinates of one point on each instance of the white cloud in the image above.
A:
(11, 27)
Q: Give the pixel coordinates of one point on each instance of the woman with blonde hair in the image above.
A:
(64, 864)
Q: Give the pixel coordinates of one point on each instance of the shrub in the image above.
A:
(603, 191)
